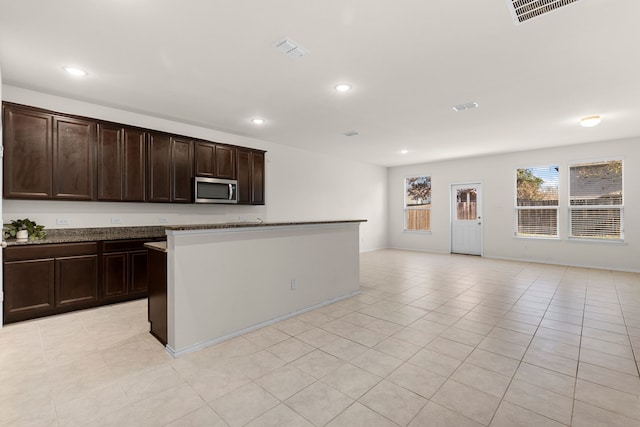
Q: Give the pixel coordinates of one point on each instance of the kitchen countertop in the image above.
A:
(254, 224)
(72, 235)
(157, 246)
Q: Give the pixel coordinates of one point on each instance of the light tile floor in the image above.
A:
(433, 340)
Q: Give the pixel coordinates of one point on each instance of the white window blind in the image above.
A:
(537, 202)
(417, 203)
(596, 200)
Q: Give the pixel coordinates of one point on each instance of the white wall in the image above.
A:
(300, 185)
(221, 283)
(497, 174)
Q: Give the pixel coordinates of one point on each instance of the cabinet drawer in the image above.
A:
(21, 253)
(124, 245)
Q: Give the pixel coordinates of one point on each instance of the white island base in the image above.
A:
(223, 282)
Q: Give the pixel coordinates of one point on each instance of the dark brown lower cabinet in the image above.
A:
(40, 280)
(158, 294)
(124, 269)
(45, 279)
(76, 280)
(28, 289)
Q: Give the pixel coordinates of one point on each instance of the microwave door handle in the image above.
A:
(230, 191)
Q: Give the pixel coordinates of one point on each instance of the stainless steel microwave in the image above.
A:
(215, 190)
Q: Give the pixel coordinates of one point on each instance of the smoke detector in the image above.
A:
(290, 48)
(524, 10)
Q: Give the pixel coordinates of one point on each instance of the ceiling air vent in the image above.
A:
(524, 10)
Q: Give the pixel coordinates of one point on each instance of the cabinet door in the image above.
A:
(205, 154)
(110, 167)
(73, 158)
(159, 164)
(134, 165)
(225, 162)
(257, 178)
(138, 280)
(27, 157)
(114, 274)
(244, 176)
(157, 301)
(76, 280)
(182, 172)
(28, 289)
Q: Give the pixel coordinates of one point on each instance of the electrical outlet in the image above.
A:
(116, 220)
(294, 285)
(62, 221)
(163, 220)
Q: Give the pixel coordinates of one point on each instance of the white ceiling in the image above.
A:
(212, 63)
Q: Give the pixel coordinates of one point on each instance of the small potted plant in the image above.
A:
(23, 229)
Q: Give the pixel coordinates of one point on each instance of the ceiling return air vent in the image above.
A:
(524, 10)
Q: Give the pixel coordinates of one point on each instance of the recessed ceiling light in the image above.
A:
(590, 121)
(75, 71)
(404, 151)
(343, 87)
(257, 121)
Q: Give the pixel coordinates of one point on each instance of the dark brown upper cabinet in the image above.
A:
(74, 158)
(170, 161)
(159, 163)
(250, 173)
(205, 159)
(215, 160)
(121, 163)
(257, 178)
(182, 170)
(27, 155)
(48, 156)
(225, 162)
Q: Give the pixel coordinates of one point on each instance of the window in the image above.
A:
(537, 202)
(417, 203)
(595, 200)
(467, 204)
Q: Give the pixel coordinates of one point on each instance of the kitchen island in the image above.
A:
(223, 280)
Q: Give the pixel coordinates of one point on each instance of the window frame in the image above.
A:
(517, 208)
(571, 208)
(406, 208)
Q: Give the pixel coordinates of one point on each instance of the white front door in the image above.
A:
(466, 219)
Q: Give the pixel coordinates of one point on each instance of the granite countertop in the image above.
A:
(71, 235)
(157, 246)
(254, 224)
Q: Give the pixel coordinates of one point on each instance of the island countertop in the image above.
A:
(92, 234)
(255, 224)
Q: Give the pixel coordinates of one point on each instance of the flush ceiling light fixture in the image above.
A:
(590, 121)
(404, 151)
(257, 121)
(343, 87)
(75, 71)
(465, 106)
